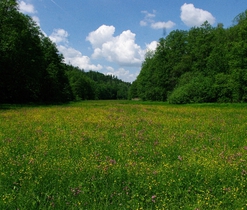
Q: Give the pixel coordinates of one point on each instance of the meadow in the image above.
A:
(123, 155)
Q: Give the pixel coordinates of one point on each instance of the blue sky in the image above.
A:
(112, 36)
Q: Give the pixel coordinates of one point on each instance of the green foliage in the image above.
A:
(192, 88)
(55, 85)
(20, 58)
(83, 88)
(225, 88)
(108, 86)
(133, 90)
(150, 84)
(32, 69)
(214, 61)
(94, 85)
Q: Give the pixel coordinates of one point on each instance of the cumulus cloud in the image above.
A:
(71, 55)
(75, 58)
(121, 73)
(160, 25)
(29, 9)
(59, 35)
(103, 34)
(192, 16)
(152, 46)
(120, 49)
(149, 20)
(109, 68)
(26, 8)
(127, 74)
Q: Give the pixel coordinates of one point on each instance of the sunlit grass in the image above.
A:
(123, 155)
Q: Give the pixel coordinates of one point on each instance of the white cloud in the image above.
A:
(36, 20)
(122, 74)
(161, 25)
(101, 35)
(120, 49)
(26, 8)
(192, 16)
(71, 55)
(75, 58)
(59, 35)
(143, 23)
(152, 46)
(149, 20)
(127, 75)
(149, 16)
(109, 68)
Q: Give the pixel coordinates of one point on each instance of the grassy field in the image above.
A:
(123, 155)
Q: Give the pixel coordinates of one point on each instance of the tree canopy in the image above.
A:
(33, 70)
(203, 64)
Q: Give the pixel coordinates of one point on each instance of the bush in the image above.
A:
(192, 88)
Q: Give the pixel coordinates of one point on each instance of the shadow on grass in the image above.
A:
(29, 105)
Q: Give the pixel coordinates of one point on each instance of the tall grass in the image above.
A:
(123, 155)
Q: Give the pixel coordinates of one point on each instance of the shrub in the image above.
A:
(192, 88)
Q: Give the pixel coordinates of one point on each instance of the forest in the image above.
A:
(33, 71)
(203, 64)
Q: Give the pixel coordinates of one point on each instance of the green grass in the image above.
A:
(123, 155)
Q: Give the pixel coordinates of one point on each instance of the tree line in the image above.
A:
(202, 64)
(32, 69)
